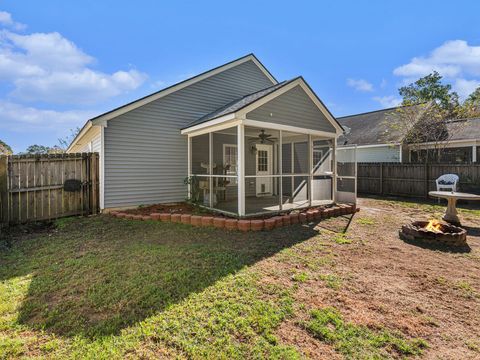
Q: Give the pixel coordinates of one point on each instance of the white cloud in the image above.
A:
(465, 87)
(388, 101)
(16, 117)
(50, 68)
(7, 20)
(81, 87)
(456, 60)
(451, 59)
(360, 85)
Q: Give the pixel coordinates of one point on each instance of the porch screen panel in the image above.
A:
(225, 170)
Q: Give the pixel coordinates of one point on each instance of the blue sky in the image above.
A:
(62, 62)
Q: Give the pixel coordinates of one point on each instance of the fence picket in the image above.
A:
(413, 180)
(31, 186)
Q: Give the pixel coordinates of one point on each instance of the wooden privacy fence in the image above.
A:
(43, 187)
(413, 180)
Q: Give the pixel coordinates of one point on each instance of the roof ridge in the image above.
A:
(227, 105)
(370, 112)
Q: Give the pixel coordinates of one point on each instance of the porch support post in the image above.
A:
(280, 169)
(210, 168)
(310, 169)
(189, 166)
(241, 168)
(474, 153)
(334, 169)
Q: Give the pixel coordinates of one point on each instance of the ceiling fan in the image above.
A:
(262, 137)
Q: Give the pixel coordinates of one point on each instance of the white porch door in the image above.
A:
(264, 167)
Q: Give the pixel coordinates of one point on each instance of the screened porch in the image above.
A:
(247, 170)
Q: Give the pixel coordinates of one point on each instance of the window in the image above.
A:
(262, 160)
(230, 162)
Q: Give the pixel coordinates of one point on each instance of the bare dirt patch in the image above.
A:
(386, 283)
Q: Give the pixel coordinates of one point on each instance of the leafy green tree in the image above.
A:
(37, 149)
(430, 89)
(42, 149)
(471, 106)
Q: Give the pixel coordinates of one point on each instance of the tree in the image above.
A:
(430, 114)
(64, 142)
(37, 149)
(5, 149)
(430, 89)
(42, 150)
(471, 106)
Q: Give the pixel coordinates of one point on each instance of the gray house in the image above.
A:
(247, 143)
(377, 139)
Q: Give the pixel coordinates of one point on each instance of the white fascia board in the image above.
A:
(82, 132)
(295, 129)
(451, 143)
(368, 146)
(207, 124)
(242, 113)
(172, 89)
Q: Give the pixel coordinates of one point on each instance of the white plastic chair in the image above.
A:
(447, 182)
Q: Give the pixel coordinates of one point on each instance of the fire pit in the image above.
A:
(434, 232)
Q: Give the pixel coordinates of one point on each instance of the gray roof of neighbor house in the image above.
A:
(240, 103)
(374, 127)
(465, 129)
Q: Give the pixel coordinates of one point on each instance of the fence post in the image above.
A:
(427, 178)
(4, 217)
(381, 178)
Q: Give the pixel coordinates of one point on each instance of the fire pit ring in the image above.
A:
(446, 234)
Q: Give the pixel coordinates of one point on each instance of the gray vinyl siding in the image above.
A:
(145, 154)
(293, 108)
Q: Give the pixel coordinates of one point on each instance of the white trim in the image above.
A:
(310, 169)
(189, 166)
(280, 167)
(195, 129)
(210, 170)
(82, 132)
(182, 85)
(268, 176)
(334, 168)
(241, 114)
(345, 147)
(400, 157)
(102, 167)
(241, 169)
(274, 126)
(474, 153)
(448, 144)
(298, 82)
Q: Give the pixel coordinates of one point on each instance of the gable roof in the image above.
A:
(251, 101)
(464, 129)
(97, 120)
(370, 128)
(374, 127)
(238, 104)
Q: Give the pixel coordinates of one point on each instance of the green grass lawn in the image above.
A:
(108, 288)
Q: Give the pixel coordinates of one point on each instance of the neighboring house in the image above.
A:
(377, 139)
(247, 143)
